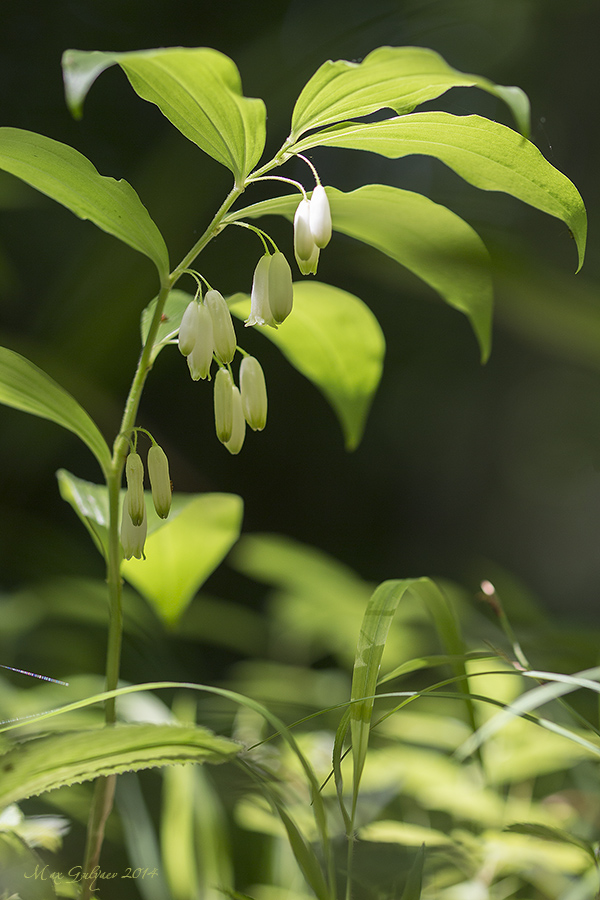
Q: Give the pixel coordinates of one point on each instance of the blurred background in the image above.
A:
(465, 472)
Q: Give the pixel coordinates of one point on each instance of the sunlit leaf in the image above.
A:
(426, 238)
(548, 833)
(181, 551)
(335, 341)
(26, 387)
(485, 153)
(45, 763)
(69, 178)
(369, 651)
(398, 78)
(198, 89)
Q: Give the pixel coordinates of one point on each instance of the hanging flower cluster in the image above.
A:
(134, 523)
(206, 332)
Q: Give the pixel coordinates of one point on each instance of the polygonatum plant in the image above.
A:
(166, 547)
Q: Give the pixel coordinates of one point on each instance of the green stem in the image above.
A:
(105, 787)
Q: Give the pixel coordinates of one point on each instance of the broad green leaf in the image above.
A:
(45, 763)
(66, 176)
(181, 551)
(23, 386)
(486, 154)
(335, 341)
(198, 89)
(398, 78)
(426, 238)
(369, 651)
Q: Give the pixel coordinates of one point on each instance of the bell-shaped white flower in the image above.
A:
(281, 292)
(254, 393)
(188, 330)
(223, 399)
(133, 537)
(201, 355)
(304, 242)
(223, 330)
(134, 498)
(238, 427)
(320, 217)
(160, 481)
(260, 311)
(309, 266)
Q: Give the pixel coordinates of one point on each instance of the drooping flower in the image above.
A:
(254, 393)
(188, 329)
(304, 242)
(201, 355)
(320, 217)
(260, 311)
(238, 427)
(160, 481)
(134, 498)
(223, 400)
(223, 330)
(281, 292)
(133, 537)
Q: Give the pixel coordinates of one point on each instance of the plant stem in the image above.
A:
(104, 789)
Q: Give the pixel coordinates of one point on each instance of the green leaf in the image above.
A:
(486, 154)
(173, 311)
(199, 91)
(23, 386)
(181, 551)
(414, 882)
(548, 833)
(426, 238)
(45, 763)
(18, 863)
(335, 341)
(398, 78)
(66, 176)
(369, 651)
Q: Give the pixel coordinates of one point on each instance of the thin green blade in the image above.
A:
(369, 651)
(45, 763)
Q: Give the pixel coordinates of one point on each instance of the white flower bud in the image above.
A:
(320, 217)
(238, 428)
(160, 481)
(201, 355)
(254, 393)
(223, 330)
(133, 537)
(188, 330)
(260, 311)
(304, 242)
(134, 498)
(281, 292)
(223, 398)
